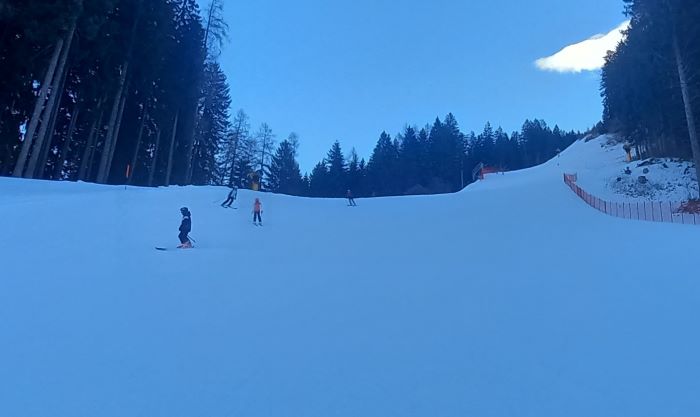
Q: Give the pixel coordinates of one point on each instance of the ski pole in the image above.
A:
(190, 238)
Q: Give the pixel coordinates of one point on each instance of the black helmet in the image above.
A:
(184, 211)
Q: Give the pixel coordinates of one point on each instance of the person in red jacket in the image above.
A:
(257, 211)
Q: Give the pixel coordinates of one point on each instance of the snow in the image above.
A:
(600, 162)
(511, 298)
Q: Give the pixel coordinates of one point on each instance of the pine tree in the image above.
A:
(485, 143)
(265, 141)
(216, 29)
(651, 82)
(113, 94)
(233, 147)
(305, 185)
(285, 176)
(337, 171)
(501, 149)
(382, 169)
(446, 154)
(411, 160)
(319, 181)
(213, 125)
(356, 174)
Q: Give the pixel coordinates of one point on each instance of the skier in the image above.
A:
(231, 197)
(185, 228)
(351, 199)
(257, 211)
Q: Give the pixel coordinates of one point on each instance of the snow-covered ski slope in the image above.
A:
(511, 298)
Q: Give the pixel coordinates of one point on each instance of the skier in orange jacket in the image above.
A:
(257, 211)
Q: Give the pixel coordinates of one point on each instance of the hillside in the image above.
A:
(604, 171)
(510, 298)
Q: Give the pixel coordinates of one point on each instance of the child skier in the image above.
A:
(231, 197)
(351, 199)
(185, 229)
(257, 211)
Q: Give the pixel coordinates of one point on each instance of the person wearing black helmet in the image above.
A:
(185, 228)
(231, 197)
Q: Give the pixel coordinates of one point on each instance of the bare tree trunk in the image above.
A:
(685, 91)
(190, 142)
(6, 162)
(117, 107)
(115, 138)
(208, 26)
(154, 161)
(171, 151)
(36, 114)
(262, 164)
(36, 166)
(50, 135)
(58, 169)
(91, 161)
(45, 135)
(262, 160)
(233, 162)
(687, 102)
(103, 171)
(189, 151)
(3, 152)
(134, 158)
(90, 146)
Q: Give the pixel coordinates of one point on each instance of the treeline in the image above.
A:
(112, 90)
(438, 158)
(130, 91)
(651, 83)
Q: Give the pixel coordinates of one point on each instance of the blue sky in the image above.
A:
(348, 69)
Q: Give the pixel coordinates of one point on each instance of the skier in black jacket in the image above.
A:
(185, 228)
(231, 197)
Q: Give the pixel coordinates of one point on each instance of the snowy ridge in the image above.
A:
(512, 297)
(602, 173)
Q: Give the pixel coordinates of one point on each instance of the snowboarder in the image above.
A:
(257, 211)
(185, 229)
(351, 199)
(231, 197)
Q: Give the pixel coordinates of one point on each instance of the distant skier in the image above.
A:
(231, 197)
(185, 229)
(351, 199)
(257, 212)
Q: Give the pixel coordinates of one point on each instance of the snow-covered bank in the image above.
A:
(510, 298)
(603, 170)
